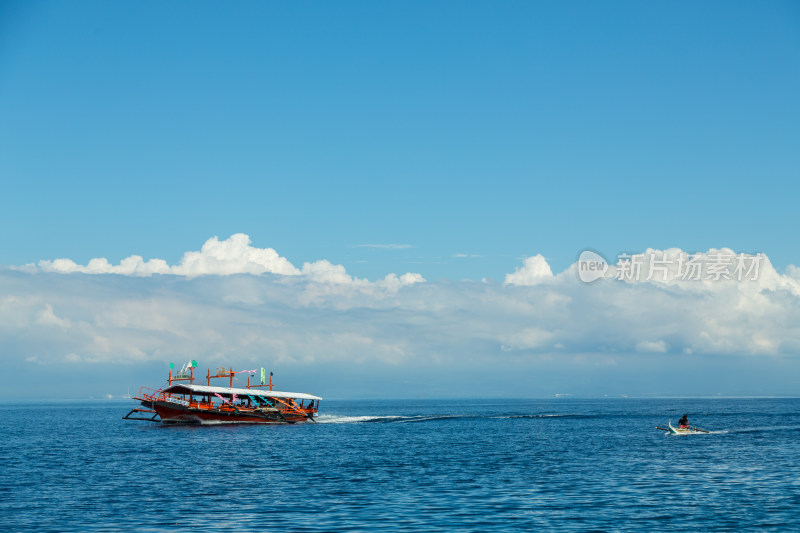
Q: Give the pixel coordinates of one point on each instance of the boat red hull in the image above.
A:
(177, 414)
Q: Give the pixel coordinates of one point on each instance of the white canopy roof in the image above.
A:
(206, 389)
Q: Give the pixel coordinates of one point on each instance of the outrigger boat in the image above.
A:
(189, 403)
(689, 430)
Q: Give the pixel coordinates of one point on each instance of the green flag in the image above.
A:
(263, 376)
(194, 363)
(172, 366)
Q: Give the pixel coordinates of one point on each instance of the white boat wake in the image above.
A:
(763, 428)
(407, 419)
(341, 419)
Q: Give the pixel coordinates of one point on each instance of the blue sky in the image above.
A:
(493, 129)
(471, 135)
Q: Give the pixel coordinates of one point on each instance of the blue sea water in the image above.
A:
(483, 465)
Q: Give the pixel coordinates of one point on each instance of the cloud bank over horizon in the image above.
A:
(234, 255)
(217, 305)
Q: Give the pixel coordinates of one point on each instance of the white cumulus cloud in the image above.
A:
(534, 270)
(323, 315)
(234, 255)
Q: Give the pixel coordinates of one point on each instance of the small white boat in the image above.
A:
(672, 430)
(684, 431)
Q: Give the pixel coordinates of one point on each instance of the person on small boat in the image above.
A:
(683, 423)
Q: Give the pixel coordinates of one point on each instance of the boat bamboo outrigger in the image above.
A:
(189, 403)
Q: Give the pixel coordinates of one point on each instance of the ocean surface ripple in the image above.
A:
(422, 465)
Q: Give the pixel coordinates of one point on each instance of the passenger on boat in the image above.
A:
(683, 423)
